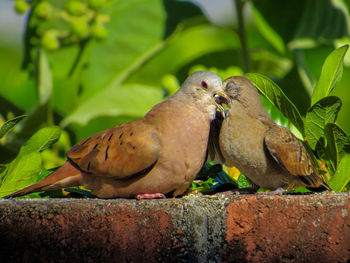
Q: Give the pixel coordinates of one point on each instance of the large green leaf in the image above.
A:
(275, 114)
(338, 145)
(317, 19)
(342, 175)
(41, 140)
(282, 16)
(20, 169)
(321, 113)
(189, 45)
(131, 42)
(295, 90)
(330, 74)
(309, 63)
(342, 91)
(127, 100)
(322, 20)
(9, 125)
(22, 172)
(276, 96)
(16, 86)
(268, 32)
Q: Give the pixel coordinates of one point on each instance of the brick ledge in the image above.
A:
(247, 228)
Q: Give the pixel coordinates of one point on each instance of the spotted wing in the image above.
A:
(291, 154)
(119, 152)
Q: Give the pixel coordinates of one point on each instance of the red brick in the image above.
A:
(222, 228)
(84, 233)
(288, 228)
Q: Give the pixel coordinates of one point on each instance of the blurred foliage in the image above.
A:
(87, 65)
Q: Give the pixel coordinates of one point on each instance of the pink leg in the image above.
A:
(150, 196)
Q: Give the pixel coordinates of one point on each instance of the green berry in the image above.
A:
(99, 32)
(102, 18)
(76, 8)
(43, 10)
(80, 28)
(50, 40)
(96, 4)
(170, 83)
(21, 7)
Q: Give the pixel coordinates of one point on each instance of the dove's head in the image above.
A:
(206, 89)
(241, 89)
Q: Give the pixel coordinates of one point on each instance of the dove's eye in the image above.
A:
(204, 84)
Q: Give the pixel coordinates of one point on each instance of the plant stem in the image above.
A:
(79, 59)
(43, 79)
(242, 34)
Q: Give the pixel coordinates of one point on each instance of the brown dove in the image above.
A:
(269, 155)
(149, 157)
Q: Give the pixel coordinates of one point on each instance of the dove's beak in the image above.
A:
(220, 98)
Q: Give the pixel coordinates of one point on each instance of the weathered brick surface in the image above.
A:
(314, 228)
(254, 228)
(172, 230)
(83, 231)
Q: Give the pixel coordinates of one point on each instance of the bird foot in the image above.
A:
(150, 196)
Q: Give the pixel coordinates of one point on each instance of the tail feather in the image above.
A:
(65, 176)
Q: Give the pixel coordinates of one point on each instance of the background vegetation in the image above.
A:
(85, 66)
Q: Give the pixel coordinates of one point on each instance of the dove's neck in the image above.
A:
(202, 101)
(252, 104)
(194, 102)
(253, 110)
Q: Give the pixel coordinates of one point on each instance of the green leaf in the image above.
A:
(276, 96)
(302, 190)
(41, 140)
(180, 51)
(282, 16)
(16, 88)
(295, 90)
(268, 32)
(128, 100)
(321, 113)
(342, 91)
(178, 12)
(275, 114)
(338, 145)
(9, 125)
(309, 63)
(36, 118)
(313, 19)
(330, 74)
(243, 182)
(342, 175)
(44, 78)
(21, 172)
(131, 42)
(28, 161)
(322, 20)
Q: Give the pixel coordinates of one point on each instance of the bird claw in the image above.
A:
(150, 196)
